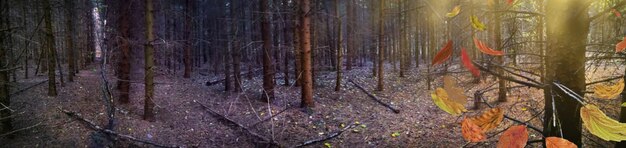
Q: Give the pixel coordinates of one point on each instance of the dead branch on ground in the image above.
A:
(374, 97)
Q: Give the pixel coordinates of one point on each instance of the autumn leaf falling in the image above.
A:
(617, 13)
(490, 119)
(619, 47)
(514, 137)
(510, 2)
(556, 142)
(455, 11)
(467, 62)
(484, 49)
(597, 123)
(440, 98)
(609, 92)
(477, 24)
(443, 54)
(454, 93)
(472, 132)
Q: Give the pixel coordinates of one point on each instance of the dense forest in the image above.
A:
(312, 73)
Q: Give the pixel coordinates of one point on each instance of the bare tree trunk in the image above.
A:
(69, 40)
(148, 108)
(381, 45)
(124, 62)
(350, 30)
(50, 44)
(268, 67)
(305, 43)
(187, 55)
(236, 49)
(567, 29)
(338, 50)
(4, 76)
(497, 31)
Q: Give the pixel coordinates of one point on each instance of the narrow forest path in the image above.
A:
(183, 122)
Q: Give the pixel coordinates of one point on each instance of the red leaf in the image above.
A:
(616, 13)
(620, 46)
(484, 49)
(556, 142)
(514, 137)
(467, 62)
(511, 2)
(443, 54)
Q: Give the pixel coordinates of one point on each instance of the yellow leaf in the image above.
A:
(609, 92)
(477, 24)
(471, 132)
(454, 93)
(624, 104)
(597, 123)
(395, 134)
(440, 98)
(489, 120)
(455, 11)
(327, 145)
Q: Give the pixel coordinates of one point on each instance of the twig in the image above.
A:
(97, 128)
(374, 97)
(482, 68)
(230, 121)
(253, 125)
(29, 87)
(21, 129)
(604, 80)
(331, 136)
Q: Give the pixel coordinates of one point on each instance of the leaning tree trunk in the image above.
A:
(148, 108)
(305, 46)
(567, 28)
(268, 68)
(50, 44)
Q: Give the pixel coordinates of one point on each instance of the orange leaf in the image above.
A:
(471, 132)
(556, 142)
(490, 119)
(511, 2)
(514, 137)
(443, 54)
(483, 48)
(616, 13)
(467, 62)
(620, 46)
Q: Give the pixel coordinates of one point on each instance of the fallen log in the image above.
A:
(27, 88)
(232, 122)
(97, 128)
(374, 97)
(209, 83)
(331, 136)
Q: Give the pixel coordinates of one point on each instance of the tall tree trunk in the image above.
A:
(567, 27)
(297, 52)
(187, 55)
(50, 44)
(338, 50)
(381, 45)
(497, 39)
(350, 30)
(268, 67)
(236, 50)
(5, 100)
(305, 46)
(124, 62)
(148, 108)
(69, 41)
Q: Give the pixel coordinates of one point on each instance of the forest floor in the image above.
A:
(182, 121)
